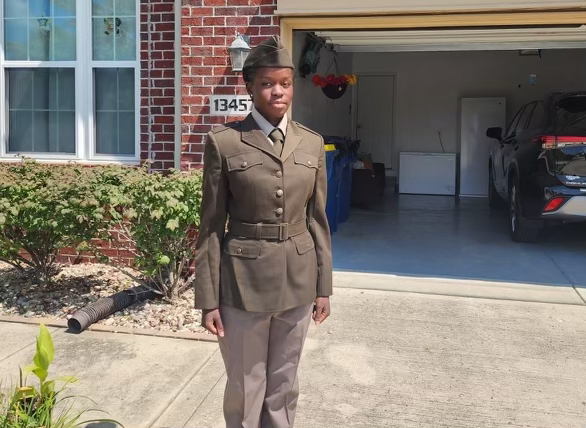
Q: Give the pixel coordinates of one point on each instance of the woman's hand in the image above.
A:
(212, 321)
(321, 310)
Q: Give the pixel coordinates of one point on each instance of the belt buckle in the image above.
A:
(283, 231)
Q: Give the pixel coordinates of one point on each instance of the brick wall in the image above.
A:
(120, 251)
(208, 28)
(157, 46)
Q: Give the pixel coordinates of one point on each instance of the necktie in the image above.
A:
(277, 138)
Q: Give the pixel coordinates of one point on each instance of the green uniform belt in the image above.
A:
(280, 232)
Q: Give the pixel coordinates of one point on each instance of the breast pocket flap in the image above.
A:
(306, 159)
(243, 161)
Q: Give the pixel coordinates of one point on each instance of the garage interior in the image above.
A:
(408, 100)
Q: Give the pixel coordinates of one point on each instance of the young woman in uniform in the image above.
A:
(261, 282)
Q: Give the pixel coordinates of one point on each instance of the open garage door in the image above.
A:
(572, 37)
(433, 65)
(496, 27)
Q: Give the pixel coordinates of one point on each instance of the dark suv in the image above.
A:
(539, 165)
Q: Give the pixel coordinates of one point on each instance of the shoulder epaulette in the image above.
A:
(306, 128)
(230, 125)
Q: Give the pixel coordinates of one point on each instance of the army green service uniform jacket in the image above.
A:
(276, 254)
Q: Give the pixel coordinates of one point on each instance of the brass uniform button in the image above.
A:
(244, 164)
(279, 193)
(279, 211)
(239, 250)
(309, 163)
(279, 174)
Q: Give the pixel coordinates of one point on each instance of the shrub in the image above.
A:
(47, 207)
(150, 217)
(156, 218)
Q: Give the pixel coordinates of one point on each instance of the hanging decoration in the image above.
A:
(310, 56)
(330, 79)
(334, 85)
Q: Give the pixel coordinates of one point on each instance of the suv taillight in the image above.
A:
(557, 142)
(554, 204)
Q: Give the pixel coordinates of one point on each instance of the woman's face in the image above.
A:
(271, 90)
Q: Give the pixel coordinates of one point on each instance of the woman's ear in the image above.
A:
(249, 90)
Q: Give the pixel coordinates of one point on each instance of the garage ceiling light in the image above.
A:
(464, 40)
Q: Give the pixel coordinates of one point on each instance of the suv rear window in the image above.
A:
(570, 116)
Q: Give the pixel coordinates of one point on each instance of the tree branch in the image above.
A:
(138, 280)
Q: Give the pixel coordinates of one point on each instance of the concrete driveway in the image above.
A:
(384, 359)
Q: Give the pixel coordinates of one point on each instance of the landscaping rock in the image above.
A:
(76, 286)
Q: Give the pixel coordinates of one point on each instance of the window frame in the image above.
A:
(514, 123)
(84, 65)
(522, 126)
(538, 109)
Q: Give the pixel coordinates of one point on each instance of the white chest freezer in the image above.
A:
(427, 173)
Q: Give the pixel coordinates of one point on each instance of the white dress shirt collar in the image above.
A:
(266, 126)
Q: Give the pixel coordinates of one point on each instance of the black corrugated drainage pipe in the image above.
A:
(83, 318)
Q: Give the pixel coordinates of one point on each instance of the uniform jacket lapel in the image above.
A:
(252, 135)
(292, 140)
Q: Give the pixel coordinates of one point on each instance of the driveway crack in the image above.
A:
(569, 277)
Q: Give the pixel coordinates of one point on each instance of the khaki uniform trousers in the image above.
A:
(261, 352)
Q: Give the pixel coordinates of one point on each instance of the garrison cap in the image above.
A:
(269, 53)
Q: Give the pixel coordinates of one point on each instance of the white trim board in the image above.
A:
(178, 78)
(364, 7)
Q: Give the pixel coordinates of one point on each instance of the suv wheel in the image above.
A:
(521, 228)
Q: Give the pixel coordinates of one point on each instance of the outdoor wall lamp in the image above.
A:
(239, 50)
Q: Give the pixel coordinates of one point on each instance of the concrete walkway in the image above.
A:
(384, 359)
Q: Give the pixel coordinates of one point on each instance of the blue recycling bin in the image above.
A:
(346, 156)
(344, 193)
(333, 175)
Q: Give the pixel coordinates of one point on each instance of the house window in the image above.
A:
(69, 80)
(41, 110)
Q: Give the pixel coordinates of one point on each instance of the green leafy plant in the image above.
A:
(47, 207)
(149, 219)
(30, 407)
(156, 222)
